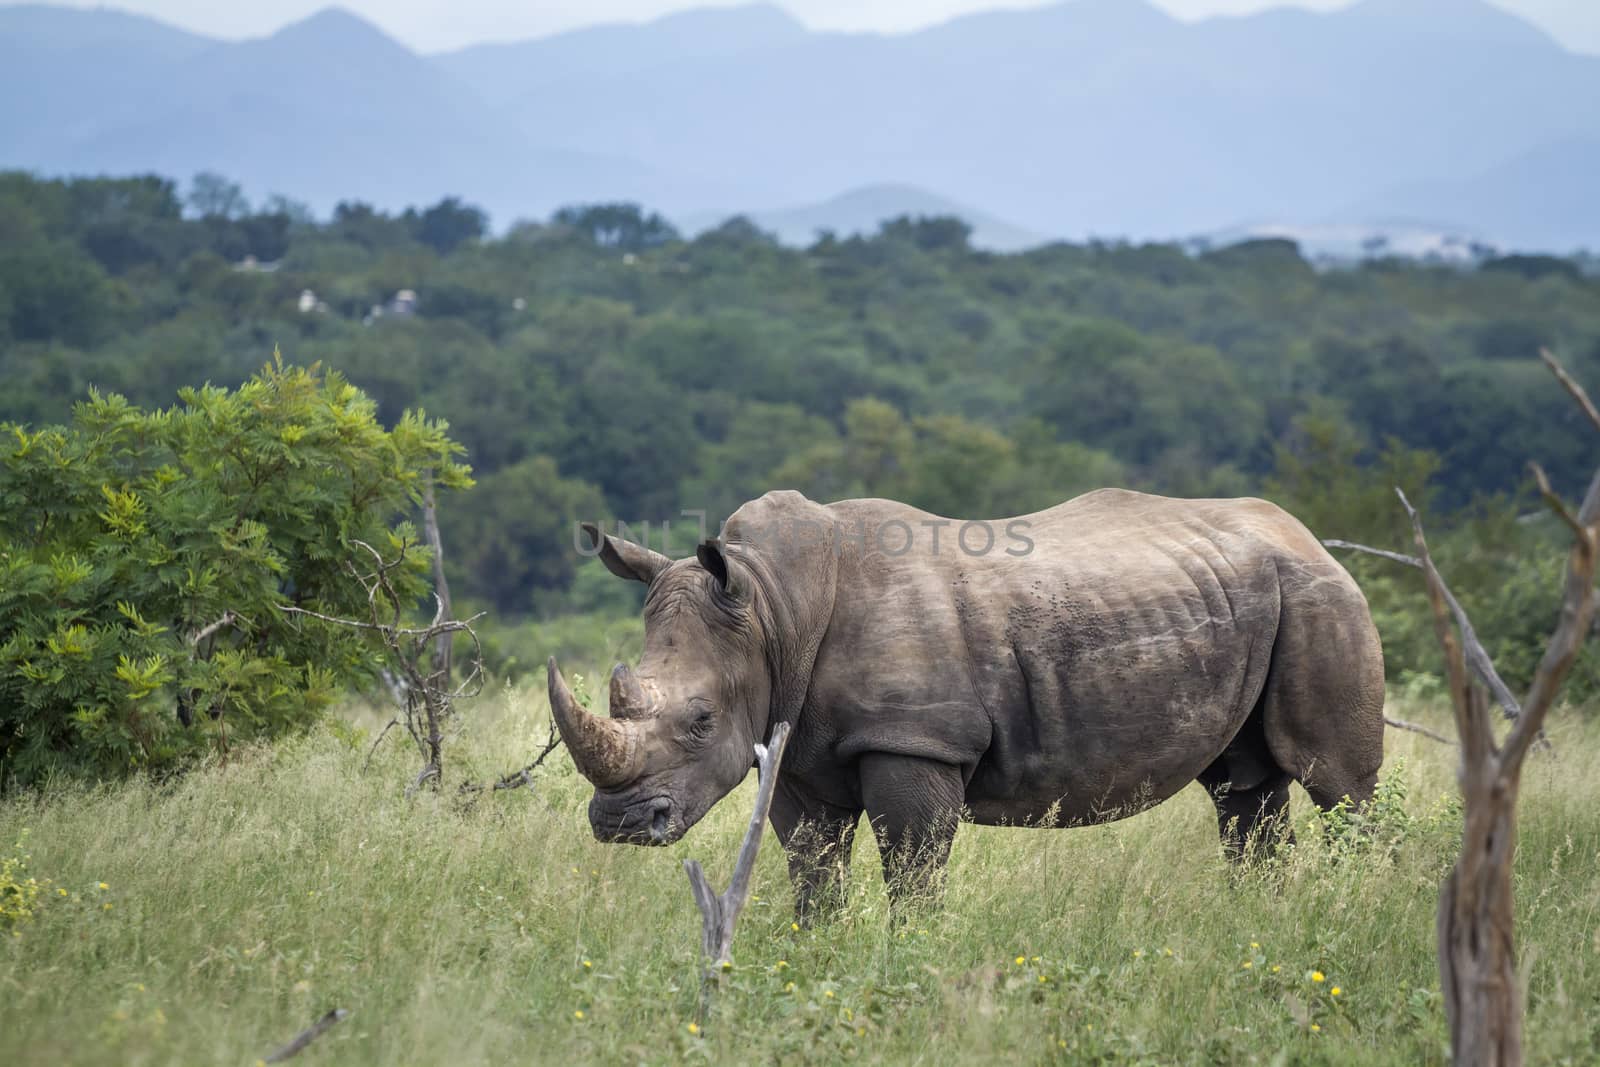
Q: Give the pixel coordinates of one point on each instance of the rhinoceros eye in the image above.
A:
(702, 724)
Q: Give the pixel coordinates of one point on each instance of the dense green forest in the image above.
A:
(602, 365)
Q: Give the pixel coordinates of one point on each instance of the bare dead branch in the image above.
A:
(441, 587)
(426, 699)
(518, 779)
(1570, 385)
(425, 632)
(429, 773)
(719, 914)
(1397, 557)
(1401, 724)
(1477, 737)
(373, 751)
(306, 1036)
(1554, 502)
(228, 618)
(1572, 626)
(1477, 656)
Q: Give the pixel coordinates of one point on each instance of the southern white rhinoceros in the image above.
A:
(1072, 666)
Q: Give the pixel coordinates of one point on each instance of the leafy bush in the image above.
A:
(19, 892)
(144, 557)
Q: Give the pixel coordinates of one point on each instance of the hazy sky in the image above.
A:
(434, 25)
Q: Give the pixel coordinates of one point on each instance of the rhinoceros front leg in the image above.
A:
(818, 837)
(914, 806)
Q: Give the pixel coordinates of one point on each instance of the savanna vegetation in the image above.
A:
(208, 405)
(601, 365)
(205, 920)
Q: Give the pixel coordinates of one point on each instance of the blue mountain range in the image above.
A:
(1089, 117)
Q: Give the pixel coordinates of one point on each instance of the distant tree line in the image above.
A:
(600, 364)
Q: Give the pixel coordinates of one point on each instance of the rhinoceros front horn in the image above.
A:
(606, 751)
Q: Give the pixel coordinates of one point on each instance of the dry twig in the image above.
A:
(306, 1036)
(1578, 392)
(1401, 724)
(518, 779)
(1477, 656)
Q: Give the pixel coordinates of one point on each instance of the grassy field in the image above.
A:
(208, 921)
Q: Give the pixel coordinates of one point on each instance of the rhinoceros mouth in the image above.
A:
(640, 822)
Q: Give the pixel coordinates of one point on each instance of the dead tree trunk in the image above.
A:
(720, 913)
(429, 698)
(441, 587)
(1477, 950)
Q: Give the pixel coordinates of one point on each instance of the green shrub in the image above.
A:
(144, 557)
(19, 892)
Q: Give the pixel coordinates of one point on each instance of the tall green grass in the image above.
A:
(243, 901)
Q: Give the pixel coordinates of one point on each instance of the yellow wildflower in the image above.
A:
(788, 987)
(1255, 944)
(1315, 1029)
(1318, 976)
(1335, 991)
(782, 964)
(794, 926)
(578, 1015)
(1021, 960)
(1276, 968)
(1246, 965)
(694, 1029)
(104, 886)
(587, 964)
(61, 892)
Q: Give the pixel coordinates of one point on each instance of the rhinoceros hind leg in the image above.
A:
(914, 806)
(818, 838)
(1254, 821)
(1323, 705)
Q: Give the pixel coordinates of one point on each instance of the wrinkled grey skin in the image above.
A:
(1144, 643)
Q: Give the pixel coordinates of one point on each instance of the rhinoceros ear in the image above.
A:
(624, 558)
(714, 559)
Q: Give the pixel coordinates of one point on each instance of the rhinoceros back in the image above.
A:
(1097, 671)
